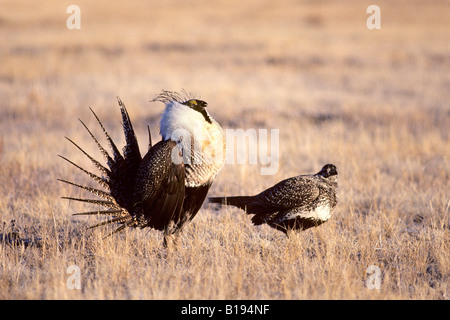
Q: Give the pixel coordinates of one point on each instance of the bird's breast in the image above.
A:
(321, 212)
(204, 155)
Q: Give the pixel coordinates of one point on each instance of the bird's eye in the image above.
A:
(195, 104)
(198, 105)
(191, 103)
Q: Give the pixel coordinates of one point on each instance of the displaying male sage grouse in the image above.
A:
(164, 189)
(297, 203)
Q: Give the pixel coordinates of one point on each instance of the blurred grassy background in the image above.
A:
(373, 102)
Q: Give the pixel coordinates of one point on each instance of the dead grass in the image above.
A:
(375, 103)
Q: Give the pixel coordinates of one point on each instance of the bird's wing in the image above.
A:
(290, 193)
(193, 200)
(160, 186)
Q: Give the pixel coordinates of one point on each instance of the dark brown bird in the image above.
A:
(297, 203)
(163, 190)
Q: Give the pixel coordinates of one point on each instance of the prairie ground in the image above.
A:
(373, 102)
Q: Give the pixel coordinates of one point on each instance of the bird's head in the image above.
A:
(182, 112)
(199, 106)
(328, 170)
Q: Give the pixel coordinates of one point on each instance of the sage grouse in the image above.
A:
(164, 189)
(297, 203)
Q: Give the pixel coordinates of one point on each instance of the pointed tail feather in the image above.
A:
(104, 203)
(131, 149)
(97, 164)
(149, 138)
(111, 212)
(97, 192)
(249, 204)
(114, 220)
(128, 223)
(240, 202)
(116, 152)
(105, 153)
(101, 181)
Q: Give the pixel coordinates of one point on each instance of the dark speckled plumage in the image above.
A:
(297, 203)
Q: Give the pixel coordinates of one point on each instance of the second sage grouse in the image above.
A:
(297, 203)
(164, 189)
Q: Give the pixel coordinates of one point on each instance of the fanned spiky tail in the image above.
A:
(117, 179)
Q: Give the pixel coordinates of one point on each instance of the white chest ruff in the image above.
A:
(321, 213)
(202, 143)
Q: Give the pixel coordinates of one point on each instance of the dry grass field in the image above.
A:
(373, 102)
